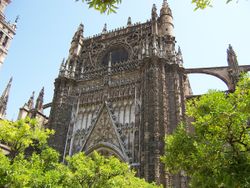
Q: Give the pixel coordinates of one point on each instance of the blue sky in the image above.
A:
(46, 27)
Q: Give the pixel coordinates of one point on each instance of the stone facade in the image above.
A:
(7, 31)
(121, 92)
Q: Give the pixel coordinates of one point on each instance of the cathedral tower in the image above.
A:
(7, 31)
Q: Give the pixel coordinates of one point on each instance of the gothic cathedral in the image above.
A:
(120, 92)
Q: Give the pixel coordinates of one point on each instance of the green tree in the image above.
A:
(42, 168)
(202, 4)
(103, 6)
(215, 150)
(110, 6)
(101, 172)
(22, 134)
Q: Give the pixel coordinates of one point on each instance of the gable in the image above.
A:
(104, 134)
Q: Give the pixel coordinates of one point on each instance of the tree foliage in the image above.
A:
(42, 168)
(110, 6)
(103, 6)
(202, 4)
(216, 153)
(22, 134)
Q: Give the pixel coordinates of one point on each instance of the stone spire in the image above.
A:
(39, 101)
(30, 103)
(154, 18)
(231, 56)
(76, 41)
(154, 12)
(165, 8)
(4, 99)
(179, 56)
(232, 61)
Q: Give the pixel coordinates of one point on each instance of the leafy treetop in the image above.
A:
(110, 6)
(41, 168)
(215, 150)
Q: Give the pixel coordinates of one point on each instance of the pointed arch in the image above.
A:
(107, 149)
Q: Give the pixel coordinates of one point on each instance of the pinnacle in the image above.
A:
(230, 48)
(11, 80)
(80, 26)
(154, 7)
(104, 28)
(179, 50)
(129, 23)
(31, 100)
(7, 89)
(165, 3)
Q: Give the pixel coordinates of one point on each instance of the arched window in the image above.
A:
(116, 55)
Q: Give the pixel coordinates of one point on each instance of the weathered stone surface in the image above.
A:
(121, 92)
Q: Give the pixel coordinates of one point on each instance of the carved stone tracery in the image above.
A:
(125, 108)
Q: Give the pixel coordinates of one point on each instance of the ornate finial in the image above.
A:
(165, 3)
(154, 12)
(30, 103)
(154, 7)
(165, 8)
(17, 18)
(104, 30)
(230, 48)
(129, 23)
(81, 27)
(10, 81)
(230, 51)
(179, 50)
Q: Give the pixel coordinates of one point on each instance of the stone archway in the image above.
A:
(107, 149)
